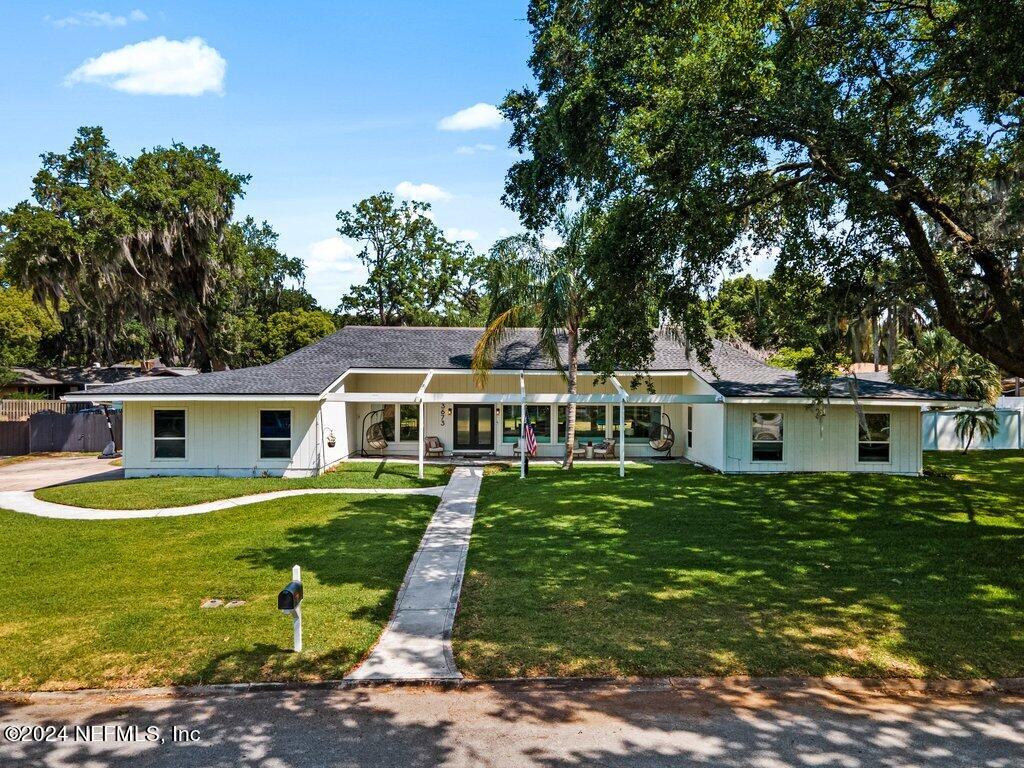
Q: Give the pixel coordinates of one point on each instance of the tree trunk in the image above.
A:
(893, 335)
(570, 411)
(950, 315)
(876, 342)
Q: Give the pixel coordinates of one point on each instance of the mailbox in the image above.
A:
(290, 597)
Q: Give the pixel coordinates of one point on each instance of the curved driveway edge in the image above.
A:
(26, 502)
(416, 644)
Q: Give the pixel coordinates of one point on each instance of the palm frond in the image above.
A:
(491, 339)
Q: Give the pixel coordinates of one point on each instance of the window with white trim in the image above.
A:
(169, 434)
(766, 437)
(640, 420)
(275, 434)
(873, 438)
(409, 422)
(689, 426)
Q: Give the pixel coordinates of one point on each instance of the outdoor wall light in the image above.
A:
(449, 410)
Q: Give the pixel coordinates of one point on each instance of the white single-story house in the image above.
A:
(385, 391)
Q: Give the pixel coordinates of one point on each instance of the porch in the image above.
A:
(390, 413)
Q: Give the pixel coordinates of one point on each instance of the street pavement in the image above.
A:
(653, 723)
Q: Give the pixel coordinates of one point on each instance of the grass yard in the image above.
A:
(117, 603)
(157, 492)
(677, 571)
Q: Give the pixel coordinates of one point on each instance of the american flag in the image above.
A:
(531, 440)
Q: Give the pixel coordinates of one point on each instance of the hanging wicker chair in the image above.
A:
(662, 437)
(374, 436)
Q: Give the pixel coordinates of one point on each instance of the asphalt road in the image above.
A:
(640, 725)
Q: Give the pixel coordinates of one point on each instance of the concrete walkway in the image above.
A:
(25, 501)
(417, 642)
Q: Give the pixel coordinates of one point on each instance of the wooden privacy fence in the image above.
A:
(13, 438)
(52, 432)
(72, 431)
(19, 410)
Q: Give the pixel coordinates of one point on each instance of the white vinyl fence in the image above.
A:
(938, 429)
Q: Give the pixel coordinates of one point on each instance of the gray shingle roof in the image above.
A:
(310, 370)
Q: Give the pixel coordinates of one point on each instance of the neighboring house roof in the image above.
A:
(311, 370)
(90, 376)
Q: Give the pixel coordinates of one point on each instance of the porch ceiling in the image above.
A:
(546, 398)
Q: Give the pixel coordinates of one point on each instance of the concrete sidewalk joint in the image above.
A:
(26, 502)
(417, 642)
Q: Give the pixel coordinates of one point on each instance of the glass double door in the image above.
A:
(474, 427)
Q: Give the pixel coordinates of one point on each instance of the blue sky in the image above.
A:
(323, 103)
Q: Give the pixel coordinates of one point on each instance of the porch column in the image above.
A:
(622, 438)
(420, 423)
(522, 425)
(623, 396)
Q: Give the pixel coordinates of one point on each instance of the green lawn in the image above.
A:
(157, 492)
(679, 571)
(116, 603)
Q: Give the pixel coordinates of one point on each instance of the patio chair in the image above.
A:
(605, 450)
(432, 446)
(580, 451)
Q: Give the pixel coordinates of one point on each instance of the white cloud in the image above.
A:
(158, 66)
(461, 234)
(429, 193)
(473, 118)
(97, 19)
(473, 149)
(331, 255)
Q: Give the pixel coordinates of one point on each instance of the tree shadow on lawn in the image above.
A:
(684, 572)
(364, 553)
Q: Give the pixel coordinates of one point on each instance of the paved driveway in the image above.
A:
(38, 473)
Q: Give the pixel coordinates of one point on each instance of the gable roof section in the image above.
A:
(311, 370)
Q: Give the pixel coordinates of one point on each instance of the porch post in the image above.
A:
(622, 424)
(420, 423)
(522, 425)
(622, 438)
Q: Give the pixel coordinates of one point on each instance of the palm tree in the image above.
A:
(529, 284)
(939, 362)
(980, 421)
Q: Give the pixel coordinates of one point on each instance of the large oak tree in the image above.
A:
(839, 134)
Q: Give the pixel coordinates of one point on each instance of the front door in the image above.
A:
(474, 427)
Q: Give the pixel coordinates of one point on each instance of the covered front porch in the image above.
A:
(392, 413)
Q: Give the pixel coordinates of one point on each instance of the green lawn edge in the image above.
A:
(679, 571)
(117, 603)
(164, 492)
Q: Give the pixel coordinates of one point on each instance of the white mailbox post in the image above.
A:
(289, 602)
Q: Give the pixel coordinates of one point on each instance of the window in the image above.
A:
(639, 420)
(537, 415)
(275, 434)
(590, 421)
(689, 426)
(873, 438)
(409, 424)
(169, 434)
(388, 423)
(766, 436)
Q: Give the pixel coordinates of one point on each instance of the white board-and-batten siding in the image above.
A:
(828, 446)
(222, 439)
